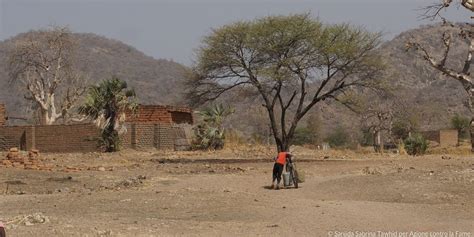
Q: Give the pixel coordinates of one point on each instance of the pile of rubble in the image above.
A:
(18, 160)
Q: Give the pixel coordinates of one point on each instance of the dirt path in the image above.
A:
(230, 199)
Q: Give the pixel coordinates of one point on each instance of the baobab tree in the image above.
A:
(292, 62)
(42, 62)
(466, 33)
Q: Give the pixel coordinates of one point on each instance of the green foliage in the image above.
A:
(401, 128)
(278, 57)
(462, 124)
(210, 132)
(338, 138)
(415, 145)
(107, 103)
(310, 134)
(367, 138)
(303, 136)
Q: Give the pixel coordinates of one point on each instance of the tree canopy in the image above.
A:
(292, 63)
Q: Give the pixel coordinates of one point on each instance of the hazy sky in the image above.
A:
(171, 29)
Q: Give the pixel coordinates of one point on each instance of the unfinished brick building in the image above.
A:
(152, 126)
(445, 137)
(161, 127)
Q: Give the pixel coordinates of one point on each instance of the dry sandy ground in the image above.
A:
(150, 194)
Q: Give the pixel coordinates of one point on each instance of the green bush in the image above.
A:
(302, 136)
(210, 131)
(461, 124)
(338, 138)
(416, 145)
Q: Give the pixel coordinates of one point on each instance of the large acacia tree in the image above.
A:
(291, 62)
(444, 63)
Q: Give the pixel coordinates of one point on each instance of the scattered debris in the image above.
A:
(101, 168)
(61, 179)
(103, 233)
(15, 182)
(27, 220)
(131, 182)
(68, 169)
(371, 171)
(31, 162)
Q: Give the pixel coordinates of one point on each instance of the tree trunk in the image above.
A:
(285, 146)
(381, 142)
(45, 118)
(472, 134)
(471, 109)
(374, 143)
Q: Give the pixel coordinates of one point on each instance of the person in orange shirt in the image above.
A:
(280, 162)
(2, 230)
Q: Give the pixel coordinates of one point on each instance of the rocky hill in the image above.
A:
(160, 81)
(434, 98)
(437, 97)
(156, 81)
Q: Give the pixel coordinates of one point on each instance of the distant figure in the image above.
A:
(2, 230)
(280, 162)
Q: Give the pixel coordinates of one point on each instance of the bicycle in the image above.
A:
(291, 169)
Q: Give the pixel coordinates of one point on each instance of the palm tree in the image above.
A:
(211, 132)
(106, 103)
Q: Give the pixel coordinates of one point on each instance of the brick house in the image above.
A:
(444, 137)
(158, 126)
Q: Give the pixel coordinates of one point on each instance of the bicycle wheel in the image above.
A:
(294, 177)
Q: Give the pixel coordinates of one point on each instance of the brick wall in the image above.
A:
(448, 138)
(2, 115)
(164, 136)
(431, 136)
(67, 138)
(146, 135)
(158, 114)
(445, 138)
(150, 114)
(15, 136)
(151, 128)
(126, 138)
(53, 138)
